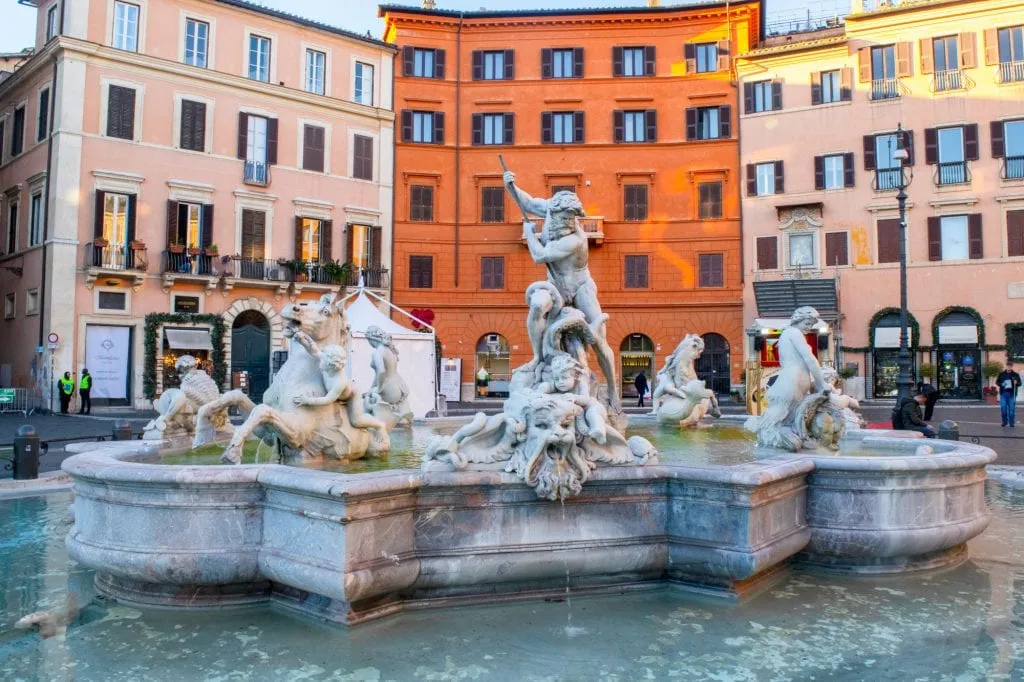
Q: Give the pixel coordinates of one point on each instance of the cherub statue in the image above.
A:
(679, 396)
(178, 406)
(387, 398)
(842, 402)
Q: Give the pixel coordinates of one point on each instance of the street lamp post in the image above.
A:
(905, 379)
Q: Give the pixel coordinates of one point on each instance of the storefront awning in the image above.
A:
(779, 298)
(188, 339)
(889, 337)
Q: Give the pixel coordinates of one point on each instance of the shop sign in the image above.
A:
(770, 350)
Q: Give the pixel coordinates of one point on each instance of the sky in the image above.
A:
(16, 29)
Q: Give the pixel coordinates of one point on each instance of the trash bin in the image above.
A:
(949, 430)
(122, 430)
(26, 453)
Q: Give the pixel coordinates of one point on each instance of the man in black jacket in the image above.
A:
(908, 416)
(1008, 382)
(641, 388)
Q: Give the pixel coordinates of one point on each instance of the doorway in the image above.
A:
(712, 366)
(250, 352)
(960, 372)
(636, 355)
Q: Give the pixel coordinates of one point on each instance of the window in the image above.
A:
(316, 67)
(492, 204)
(493, 65)
(126, 26)
(364, 84)
(422, 62)
(313, 145)
(493, 129)
(708, 123)
(765, 178)
(51, 23)
(889, 241)
(32, 302)
(116, 225)
(636, 272)
(196, 42)
(956, 237)
(112, 301)
(710, 199)
(706, 56)
(834, 171)
(256, 140)
(633, 61)
(185, 304)
(555, 189)
(43, 115)
(362, 157)
(121, 112)
(636, 126)
(831, 89)
(762, 96)
(950, 149)
(883, 73)
(9, 304)
(193, 125)
(801, 250)
(257, 145)
(767, 253)
(259, 58)
(35, 228)
(364, 248)
(191, 225)
(828, 87)
(1015, 233)
(1011, 54)
(18, 131)
(562, 127)
(423, 126)
(878, 156)
(492, 272)
(562, 63)
(946, 63)
(310, 234)
(710, 270)
(421, 203)
(1, 140)
(836, 249)
(1008, 144)
(635, 202)
(421, 272)
(254, 230)
(12, 228)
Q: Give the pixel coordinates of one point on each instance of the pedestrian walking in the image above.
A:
(641, 388)
(67, 389)
(907, 416)
(1008, 382)
(84, 387)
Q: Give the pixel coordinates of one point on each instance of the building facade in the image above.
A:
(635, 111)
(172, 173)
(818, 140)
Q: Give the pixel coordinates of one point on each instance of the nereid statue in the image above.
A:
(679, 396)
(311, 409)
(554, 430)
(387, 398)
(178, 406)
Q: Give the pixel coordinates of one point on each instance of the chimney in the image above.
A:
(653, 3)
(429, 4)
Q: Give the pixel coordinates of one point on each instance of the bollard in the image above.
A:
(26, 453)
(122, 430)
(949, 430)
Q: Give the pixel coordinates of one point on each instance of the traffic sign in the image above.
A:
(51, 341)
(7, 396)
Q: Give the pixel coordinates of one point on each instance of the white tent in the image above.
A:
(416, 358)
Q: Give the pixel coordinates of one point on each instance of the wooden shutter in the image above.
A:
(408, 61)
(350, 232)
(908, 140)
(630, 268)
(927, 55)
(313, 149)
(725, 121)
(478, 65)
(298, 237)
(478, 129)
(974, 240)
(869, 152)
(767, 253)
(836, 252)
(618, 117)
(362, 157)
(98, 211)
(776, 95)
(998, 141)
(710, 266)
(848, 170)
(1015, 233)
(649, 60)
(651, 125)
(578, 127)
(172, 222)
(186, 125)
(546, 134)
(971, 146)
(864, 65)
(113, 113)
(846, 84)
(931, 146)
(780, 177)
(819, 172)
(904, 60)
(888, 241)
(120, 112)
(546, 57)
(326, 241)
(243, 134)
(577, 62)
(748, 98)
(406, 125)
(438, 127)
(439, 64)
(206, 229)
(510, 129)
(617, 61)
(991, 46)
(421, 272)
(133, 201)
(751, 180)
(271, 141)
(691, 123)
(376, 239)
(968, 50)
(510, 65)
(724, 54)
(934, 238)
(253, 234)
(816, 87)
(690, 57)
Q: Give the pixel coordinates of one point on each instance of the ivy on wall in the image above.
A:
(915, 331)
(154, 321)
(960, 309)
(1012, 329)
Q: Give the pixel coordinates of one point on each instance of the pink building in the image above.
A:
(820, 216)
(207, 160)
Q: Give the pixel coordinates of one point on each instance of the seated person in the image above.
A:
(907, 416)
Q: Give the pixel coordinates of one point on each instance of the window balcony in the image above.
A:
(256, 173)
(885, 88)
(189, 262)
(945, 81)
(887, 179)
(952, 173)
(1011, 72)
(371, 278)
(1013, 168)
(593, 227)
(105, 259)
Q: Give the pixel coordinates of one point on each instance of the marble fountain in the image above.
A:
(559, 488)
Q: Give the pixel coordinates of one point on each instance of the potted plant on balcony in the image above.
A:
(100, 242)
(176, 248)
(298, 269)
(337, 272)
(194, 250)
(211, 251)
(137, 245)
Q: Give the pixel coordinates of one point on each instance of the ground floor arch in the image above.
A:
(636, 356)
(492, 371)
(713, 367)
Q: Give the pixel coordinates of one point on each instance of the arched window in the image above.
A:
(712, 366)
(636, 355)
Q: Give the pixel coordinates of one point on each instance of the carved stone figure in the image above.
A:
(679, 396)
(800, 409)
(554, 430)
(387, 398)
(178, 406)
(311, 409)
(846, 404)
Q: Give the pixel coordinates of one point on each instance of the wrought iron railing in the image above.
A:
(188, 262)
(1013, 168)
(952, 173)
(887, 179)
(592, 225)
(885, 88)
(372, 278)
(115, 257)
(953, 79)
(1011, 72)
(256, 173)
(258, 269)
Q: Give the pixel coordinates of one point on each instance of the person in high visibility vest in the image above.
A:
(67, 389)
(84, 386)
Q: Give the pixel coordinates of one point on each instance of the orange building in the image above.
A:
(635, 110)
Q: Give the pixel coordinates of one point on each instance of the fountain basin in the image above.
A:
(350, 547)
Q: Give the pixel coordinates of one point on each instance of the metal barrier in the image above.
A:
(17, 400)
